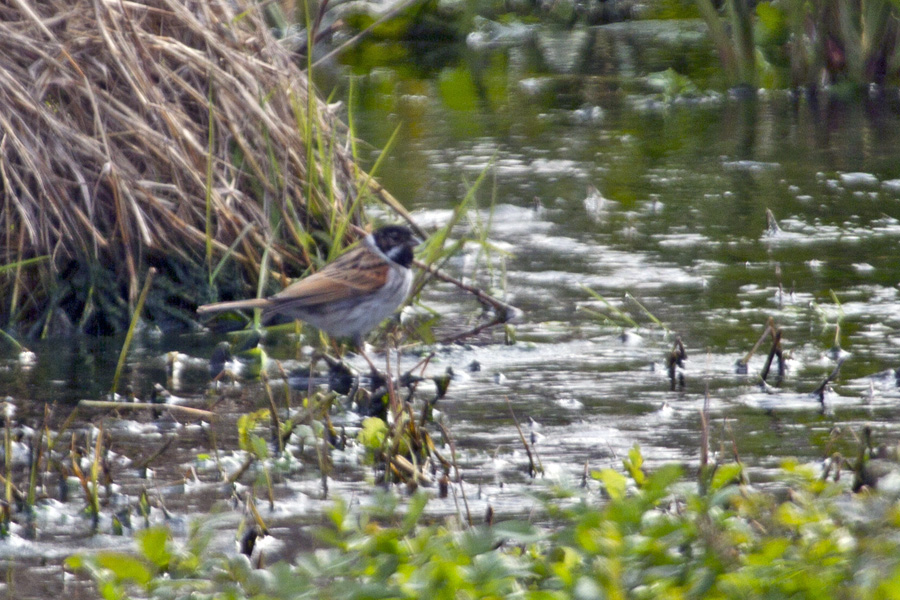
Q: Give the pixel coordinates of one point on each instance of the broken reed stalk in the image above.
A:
(322, 458)
(769, 330)
(675, 360)
(75, 457)
(134, 320)
(95, 477)
(270, 489)
(742, 476)
(241, 470)
(704, 473)
(194, 412)
(774, 351)
(503, 312)
(257, 518)
(287, 388)
(532, 469)
(446, 433)
(52, 439)
(704, 429)
(273, 414)
(820, 391)
(7, 455)
(16, 493)
(145, 462)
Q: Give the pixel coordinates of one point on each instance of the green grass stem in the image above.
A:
(19, 264)
(19, 347)
(36, 460)
(228, 253)
(649, 314)
(210, 178)
(623, 316)
(151, 273)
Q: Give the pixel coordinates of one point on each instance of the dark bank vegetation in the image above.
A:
(812, 46)
(806, 44)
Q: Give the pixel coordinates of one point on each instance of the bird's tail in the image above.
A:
(233, 305)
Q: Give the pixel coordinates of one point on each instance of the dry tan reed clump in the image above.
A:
(154, 133)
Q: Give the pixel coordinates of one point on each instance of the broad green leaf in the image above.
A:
(725, 475)
(153, 545)
(634, 463)
(614, 483)
(373, 433)
(125, 567)
(659, 481)
(260, 448)
(521, 532)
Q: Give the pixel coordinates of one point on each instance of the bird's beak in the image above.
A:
(415, 241)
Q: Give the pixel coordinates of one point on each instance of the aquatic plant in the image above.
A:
(653, 536)
(801, 43)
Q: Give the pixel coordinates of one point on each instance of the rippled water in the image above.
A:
(677, 228)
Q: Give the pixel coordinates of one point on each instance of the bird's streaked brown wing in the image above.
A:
(356, 273)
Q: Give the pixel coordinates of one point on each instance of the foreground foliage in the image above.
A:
(654, 537)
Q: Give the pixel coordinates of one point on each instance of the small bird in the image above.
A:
(351, 295)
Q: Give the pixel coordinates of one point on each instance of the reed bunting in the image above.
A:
(351, 295)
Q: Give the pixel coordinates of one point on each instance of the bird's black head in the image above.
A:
(397, 242)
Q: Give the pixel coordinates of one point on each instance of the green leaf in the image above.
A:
(154, 546)
(373, 433)
(260, 448)
(520, 532)
(125, 567)
(614, 483)
(771, 18)
(246, 423)
(110, 591)
(725, 475)
(633, 465)
(416, 507)
(658, 483)
(337, 514)
(254, 362)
